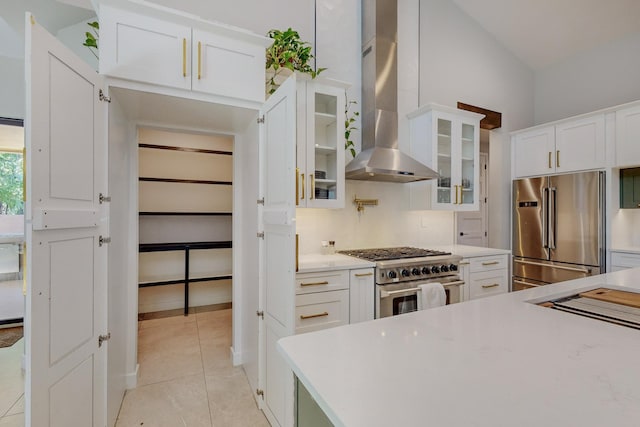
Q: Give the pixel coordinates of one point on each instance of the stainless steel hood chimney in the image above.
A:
(380, 158)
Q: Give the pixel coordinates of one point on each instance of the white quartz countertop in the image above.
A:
(315, 262)
(628, 249)
(497, 361)
(472, 251)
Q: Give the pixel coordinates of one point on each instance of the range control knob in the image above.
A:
(392, 274)
(426, 270)
(435, 269)
(415, 271)
(444, 268)
(405, 272)
(453, 267)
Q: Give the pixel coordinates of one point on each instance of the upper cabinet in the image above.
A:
(214, 59)
(568, 146)
(627, 136)
(320, 145)
(446, 140)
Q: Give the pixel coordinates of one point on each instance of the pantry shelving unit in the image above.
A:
(184, 212)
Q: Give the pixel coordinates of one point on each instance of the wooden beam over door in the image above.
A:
(492, 119)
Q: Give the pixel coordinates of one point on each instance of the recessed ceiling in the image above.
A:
(543, 32)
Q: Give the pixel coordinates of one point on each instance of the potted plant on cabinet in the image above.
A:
(287, 53)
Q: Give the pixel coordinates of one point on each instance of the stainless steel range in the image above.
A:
(400, 271)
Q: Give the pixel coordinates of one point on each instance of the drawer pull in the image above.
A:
(315, 283)
(364, 274)
(464, 263)
(311, 316)
(491, 263)
(490, 286)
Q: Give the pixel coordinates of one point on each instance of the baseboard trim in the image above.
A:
(236, 357)
(131, 379)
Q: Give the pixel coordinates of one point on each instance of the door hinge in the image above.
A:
(260, 120)
(103, 240)
(485, 167)
(260, 201)
(260, 314)
(103, 338)
(485, 234)
(103, 97)
(103, 199)
(260, 235)
(485, 200)
(260, 393)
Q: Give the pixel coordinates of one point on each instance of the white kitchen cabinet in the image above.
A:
(361, 295)
(218, 60)
(621, 260)
(627, 136)
(484, 276)
(447, 140)
(568, 146)
(321, 310)
(320, 145)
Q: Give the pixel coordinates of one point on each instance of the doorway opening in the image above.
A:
(12, 301)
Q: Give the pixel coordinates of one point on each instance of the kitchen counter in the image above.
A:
(315, 262)
(629, 249)
(497, 361)
(472, 251)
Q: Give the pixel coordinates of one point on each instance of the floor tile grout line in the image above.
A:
(206, 388)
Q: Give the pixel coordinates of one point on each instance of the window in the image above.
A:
(11, 184)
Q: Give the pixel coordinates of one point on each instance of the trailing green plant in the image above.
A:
(92, 37)
(349, 120)
(288, 52)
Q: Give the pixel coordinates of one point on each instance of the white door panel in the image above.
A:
(277, 249)
(66, 267)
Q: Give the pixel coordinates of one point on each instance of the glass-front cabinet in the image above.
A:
(447, 140)
(320, 147)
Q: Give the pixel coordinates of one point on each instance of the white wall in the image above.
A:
(74, 35)
(459, 61)
(601, 77)
(12, 87)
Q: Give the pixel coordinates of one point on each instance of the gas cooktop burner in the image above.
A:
(383, 254)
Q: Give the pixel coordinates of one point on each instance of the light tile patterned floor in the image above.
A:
(11, 386)
(186, 377)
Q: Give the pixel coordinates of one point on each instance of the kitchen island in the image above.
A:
(498, 361)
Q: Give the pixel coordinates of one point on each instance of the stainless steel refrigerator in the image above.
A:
(558, 228)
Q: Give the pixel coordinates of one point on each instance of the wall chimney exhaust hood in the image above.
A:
(380, 158)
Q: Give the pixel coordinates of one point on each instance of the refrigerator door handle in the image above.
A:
(559, 267)
(545, 212)
(552, 217)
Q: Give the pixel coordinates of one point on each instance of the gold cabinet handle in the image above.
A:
(324, 282)
(364, 274)
(313, 187)
(490, 286)
(184, 57)
(199, 60)
(455, 187)
(460, 190)
(303, 186)
(297, 186)
(491, 263)
(557, 158)
(549, 159)
(311, 316)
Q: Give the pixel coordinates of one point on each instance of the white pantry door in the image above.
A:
(277, 249)
(66, 265)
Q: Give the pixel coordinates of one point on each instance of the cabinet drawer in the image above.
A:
(307, 283)
(488, 283)
(625, 260)
(488, 263)
(321, 310)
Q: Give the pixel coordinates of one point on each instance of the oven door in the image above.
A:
(400, 298)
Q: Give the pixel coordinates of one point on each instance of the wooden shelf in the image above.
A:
(190, 150)
(185, 213)
(325, 119)
(185, 181)
(179, 281)
(325, 150)
(181, 246)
